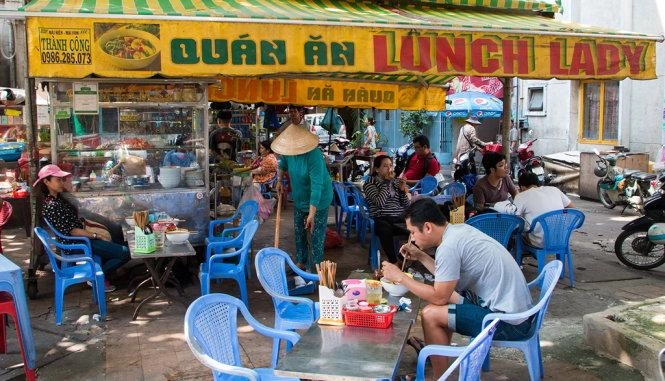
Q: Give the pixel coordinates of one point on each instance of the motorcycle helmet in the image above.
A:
(656, 233)
(600, 170)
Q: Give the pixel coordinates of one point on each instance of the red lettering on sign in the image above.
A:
(447, 56)
(381, 55)
(608, 59)
(271, 90)
(512, 56)
(481, 50)
(582, 60)
(407, 55)
(634, 57)
(557, 66)
(247, 88)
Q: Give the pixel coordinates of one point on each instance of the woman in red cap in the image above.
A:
(64, 217)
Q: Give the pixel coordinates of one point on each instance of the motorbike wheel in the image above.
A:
(604, 197)
(634, 249)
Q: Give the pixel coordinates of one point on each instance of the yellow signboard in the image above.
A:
(327, 93)
(77, 47)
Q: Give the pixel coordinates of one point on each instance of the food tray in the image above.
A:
(369, 319)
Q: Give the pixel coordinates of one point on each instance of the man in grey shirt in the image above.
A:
(474, 275)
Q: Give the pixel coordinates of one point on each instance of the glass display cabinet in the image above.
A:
(138, 146)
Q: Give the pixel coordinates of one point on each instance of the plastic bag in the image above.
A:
(333, 239)
(330, 121)
(266, 205)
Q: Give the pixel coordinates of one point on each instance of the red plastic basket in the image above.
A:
(369, 319)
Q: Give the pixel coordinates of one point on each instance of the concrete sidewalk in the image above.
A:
(152, 347)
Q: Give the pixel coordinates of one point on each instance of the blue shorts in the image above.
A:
(467, 319)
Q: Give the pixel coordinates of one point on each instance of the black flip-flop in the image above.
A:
(416, 343)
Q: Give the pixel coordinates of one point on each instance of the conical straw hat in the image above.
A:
(294, 140)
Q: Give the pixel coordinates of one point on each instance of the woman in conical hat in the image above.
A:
(311, 186)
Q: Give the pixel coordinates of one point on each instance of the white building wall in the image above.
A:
(642, 103)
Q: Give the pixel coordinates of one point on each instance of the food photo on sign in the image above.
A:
(128, 46)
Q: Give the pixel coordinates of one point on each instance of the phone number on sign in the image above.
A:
(66, 58)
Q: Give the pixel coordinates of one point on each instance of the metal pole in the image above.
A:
(30, 119)
(507, 99)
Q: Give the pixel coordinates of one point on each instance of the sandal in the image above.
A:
(416, 343)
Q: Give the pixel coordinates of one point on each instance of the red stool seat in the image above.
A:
(7, 308)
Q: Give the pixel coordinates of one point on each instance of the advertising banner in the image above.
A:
(309, 92)
(78, 47)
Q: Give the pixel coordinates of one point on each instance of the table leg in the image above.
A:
(158, 281)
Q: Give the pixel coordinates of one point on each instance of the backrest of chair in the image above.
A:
(248, 211)
(428, 184)
(547, 279)
(558, 225)
(499, 226)
(248, 234)
(471, 360)
(340, 190)
(5, 213)
(211, 322)
(270, 265)
(48, 242)
(454, 188)
(54, 230)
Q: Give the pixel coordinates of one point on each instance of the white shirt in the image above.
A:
(536, 201)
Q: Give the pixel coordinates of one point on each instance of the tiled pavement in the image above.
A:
(152, 347)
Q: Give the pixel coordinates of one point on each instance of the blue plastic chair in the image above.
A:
(291, 312)
(211, 324)
(348, 213)
(469, 358)
(425, 186)
(530, 346)
(557, 225)
(501, 227)
(215, 268)
(246, 212)
(268, 188)
(75, 273)
(454, 188)
(68, 238)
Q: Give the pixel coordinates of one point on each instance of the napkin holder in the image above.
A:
(144, 243)
(330, 307)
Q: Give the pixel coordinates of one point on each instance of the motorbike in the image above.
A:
(641, 244)
(619, 186)
(527, 161)
(402, 157)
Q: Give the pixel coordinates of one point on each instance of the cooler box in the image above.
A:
(11, 151)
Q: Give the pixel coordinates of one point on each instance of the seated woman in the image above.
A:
(387, 198)
(64, 217)
(264, 168)
(496, 186)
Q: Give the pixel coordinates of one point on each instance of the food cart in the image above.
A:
(113, 137)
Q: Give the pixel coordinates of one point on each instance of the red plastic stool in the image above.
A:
(5, 213)
(7, 308)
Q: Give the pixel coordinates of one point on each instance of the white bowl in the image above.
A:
(392, 288)
(97, 185)
(177, 236)
(168, 182)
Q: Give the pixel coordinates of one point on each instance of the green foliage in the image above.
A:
(357, 139)
(413, 123)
